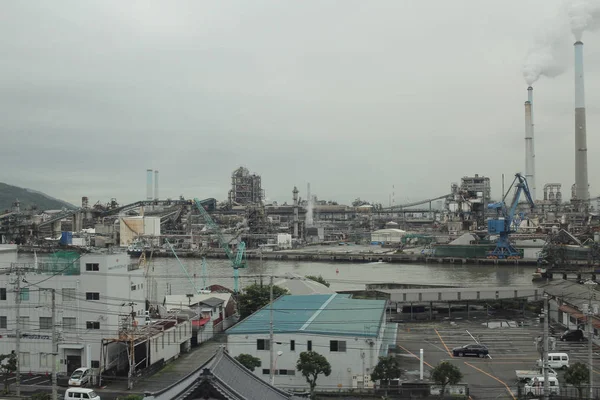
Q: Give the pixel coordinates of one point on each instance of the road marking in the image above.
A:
(434, 345)
(414, 355)
(442, 340)
(494, 378)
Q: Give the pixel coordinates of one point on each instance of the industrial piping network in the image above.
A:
(416, 203)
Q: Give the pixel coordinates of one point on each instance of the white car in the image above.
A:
(80, 377)
(81, 393)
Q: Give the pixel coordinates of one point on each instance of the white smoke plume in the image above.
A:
(546, 56)
(584, 15)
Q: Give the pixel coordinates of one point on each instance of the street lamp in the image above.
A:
(279, 353)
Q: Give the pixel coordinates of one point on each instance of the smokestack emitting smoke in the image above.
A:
(581, 170)
(156, 185)
(148, 184)
(529, 144)
(548, 52)
(583, 16)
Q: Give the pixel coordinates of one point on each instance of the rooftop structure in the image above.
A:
(335, 314)
(223, 378)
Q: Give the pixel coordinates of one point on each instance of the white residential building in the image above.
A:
(350, 333)
(94, 294)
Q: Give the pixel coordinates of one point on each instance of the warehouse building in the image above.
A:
(350, 333)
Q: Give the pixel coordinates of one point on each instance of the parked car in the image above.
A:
(572, 336)
(80, 377)
(81, 393)
(477, 350)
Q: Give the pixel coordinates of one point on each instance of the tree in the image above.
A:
(311, 364)
(445, 374)
(387, 368)
(319, 279)
(578, 375)
(249, 361)
(255, 297)
(8, 365)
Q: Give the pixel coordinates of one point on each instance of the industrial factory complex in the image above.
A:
(464, 221)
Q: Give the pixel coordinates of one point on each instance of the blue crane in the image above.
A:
(237, 260)
(502, 224)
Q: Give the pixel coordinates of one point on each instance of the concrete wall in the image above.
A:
(343, 364)
(167, 345)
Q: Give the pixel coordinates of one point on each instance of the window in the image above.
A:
(45, 323)
(24, 323)
(92, 267)
(69, 323)
(133, 287)
(92, 296)
(45, 360)
(24, 359)
(287, 372)
(2, 294)
(92, 325)
(24, 294)
(3, 323)
(337, 345)
(292, 345)
(263, 344)
(265, 371)
(309, 345)
(95, 364)
(68, 294)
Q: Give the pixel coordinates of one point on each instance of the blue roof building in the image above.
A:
(350, 333)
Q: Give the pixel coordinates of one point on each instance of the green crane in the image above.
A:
(237, 260)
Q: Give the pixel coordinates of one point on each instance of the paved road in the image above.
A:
(510, 349)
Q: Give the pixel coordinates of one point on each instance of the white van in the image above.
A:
(81, 393)
(556, 361)
(535, 387)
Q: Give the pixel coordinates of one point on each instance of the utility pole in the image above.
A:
(18, 335)
(271, 343)
(590, 326)
(545, 356)
(54, 347)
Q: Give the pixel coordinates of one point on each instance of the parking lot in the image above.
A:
(510, 348)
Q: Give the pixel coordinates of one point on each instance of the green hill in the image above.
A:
(28, 198)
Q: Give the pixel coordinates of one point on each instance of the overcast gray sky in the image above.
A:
(352, 96)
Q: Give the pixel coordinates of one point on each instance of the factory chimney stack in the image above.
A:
(530, 144)
(156, 185)
(296, 220)
(582, 193)
(148, 184)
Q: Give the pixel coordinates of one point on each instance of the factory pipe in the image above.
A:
(528, 144)
(148, 184)
(156, 185)
(581, 169)
(531, 152)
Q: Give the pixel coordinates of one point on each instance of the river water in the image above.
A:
(171, 276)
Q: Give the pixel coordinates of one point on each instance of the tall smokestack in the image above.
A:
(148, 184)
(581, 170)
(156, 185)
(529, 143)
